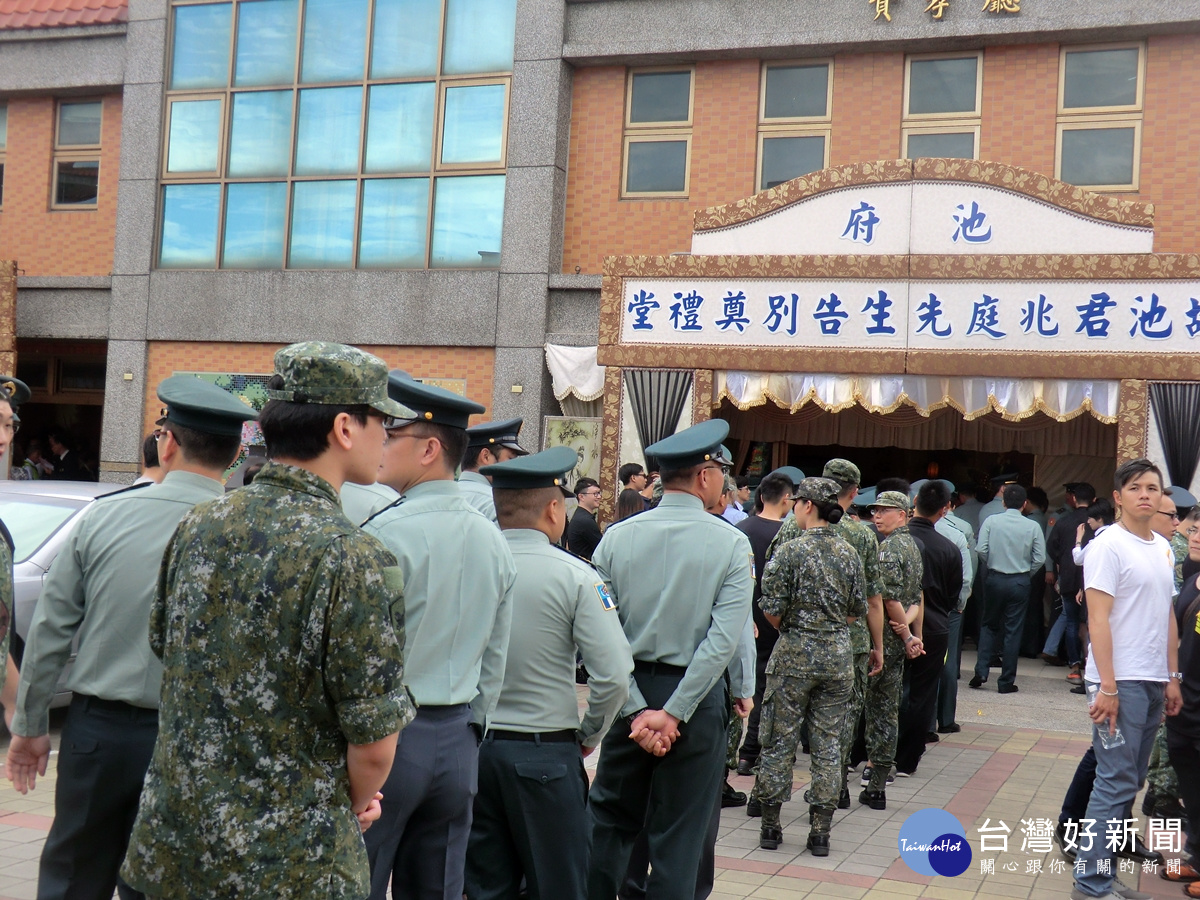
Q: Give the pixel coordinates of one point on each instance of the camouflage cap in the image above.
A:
(843, 471)
(891, 500)
(818, 490)
(329, 374)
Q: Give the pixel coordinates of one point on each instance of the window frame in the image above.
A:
(3, 153)
(657, 137)
(74, 153)
(222, 178)
(1084, 118)
(654, 132)
(793, 126)
(670, 124)
(941, 123)
(825, 134)
(907, 131)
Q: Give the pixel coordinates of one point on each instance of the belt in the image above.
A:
(566, 736)
(87, 702)
(1009, 574)
(657, 668)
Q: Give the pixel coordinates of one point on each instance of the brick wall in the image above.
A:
(475, 364)
(55, 242)
(1019, 114)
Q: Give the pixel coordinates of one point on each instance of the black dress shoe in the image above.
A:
(754, 808)
(1079, 689)
(1141, 853)
(731, 797)
(932, 738)
(976, 681)
(745, 767)
(1060, 838)
(770, 837)
(818, 844)
(952, 728)
(1007, 689)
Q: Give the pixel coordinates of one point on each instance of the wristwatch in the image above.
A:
(1178, 676)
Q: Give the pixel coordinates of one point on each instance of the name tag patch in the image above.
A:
(606, 599)
(753, 573)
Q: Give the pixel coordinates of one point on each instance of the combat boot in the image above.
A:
(770, 834)
(818, 836)
(874, 796)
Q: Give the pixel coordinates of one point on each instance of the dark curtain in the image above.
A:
(657, 397)
(1176, 408)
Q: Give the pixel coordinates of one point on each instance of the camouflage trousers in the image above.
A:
(734, 736)
(785, 703)
(883, 710)
(1161, 776)
(858, 695)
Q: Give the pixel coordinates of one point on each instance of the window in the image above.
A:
(794, 116)
(658, 133)
(942, 103)
(1100, 116)
(316, 134)
(76, 182)
(3, 148)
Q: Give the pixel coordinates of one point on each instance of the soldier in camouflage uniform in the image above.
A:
(13, 392)
(280, 627)
(811, 590)
(900, 574)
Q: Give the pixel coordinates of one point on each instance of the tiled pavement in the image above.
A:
(988, 771)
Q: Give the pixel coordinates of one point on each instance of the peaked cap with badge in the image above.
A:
(329, 374)
(431, 403)
(538, 470)
(503, 433)
(693, 446)
(202, 406)
(14, 390)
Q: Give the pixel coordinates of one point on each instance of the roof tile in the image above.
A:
(61, 13)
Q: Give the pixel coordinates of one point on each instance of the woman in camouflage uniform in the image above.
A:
(812, 589)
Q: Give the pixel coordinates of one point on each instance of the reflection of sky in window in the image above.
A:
(3, 126)
(942, 86)
(189, 231)
(1097, 156)
(266, 42)
(1100, 78)
(656, 166)
(479, 36)
(786, 158)
(79, 123)
(660, 97)
(959, 145)
(335, 40)
(201, 53)
(261, 134)
(195, 135)
(323, 225)
(406, 38)
(796, 91)
(328, 132)
(467, 216)
(254, 216)
(474, 124)
(395, 211)
(400, 127)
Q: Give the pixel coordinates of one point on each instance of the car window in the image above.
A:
(31, 522)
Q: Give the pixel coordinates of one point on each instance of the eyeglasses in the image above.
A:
(1170, 515)
(1190, 531)
(724, 469)
(595, 493)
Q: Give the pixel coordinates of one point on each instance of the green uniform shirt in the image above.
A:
(101, 587)
(683, 580)
(280, 627)
(458, 584)
(6, 607)
(813, 584)
(361, 501)
(560, 603)
(1179, 546)
(1011, 543)
(900, 576)
(477, 491)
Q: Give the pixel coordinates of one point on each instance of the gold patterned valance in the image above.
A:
(1012, 399)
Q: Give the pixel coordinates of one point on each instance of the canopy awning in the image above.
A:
(573, 370)
(1013, 399)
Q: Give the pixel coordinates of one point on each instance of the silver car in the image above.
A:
(39, 516)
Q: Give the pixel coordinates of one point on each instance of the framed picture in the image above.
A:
(582, 436)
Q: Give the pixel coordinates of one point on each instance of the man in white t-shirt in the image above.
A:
(1129, 581)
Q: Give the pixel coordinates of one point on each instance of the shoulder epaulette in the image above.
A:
(586, 562)
(395, 502)
(126, 490)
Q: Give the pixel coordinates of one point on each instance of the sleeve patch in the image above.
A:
(606, 599)
(393, 578)
(753, 571)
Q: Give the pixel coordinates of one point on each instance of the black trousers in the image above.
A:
(751, 747)
(102, 762)
(671, 796)
(924, 673)
(419, 843)
(530, 822)
(1184, 753)
(634, 887)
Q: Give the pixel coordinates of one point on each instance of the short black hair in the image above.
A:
(901, 485)
(250, 471)
(1038, 498)
(584, 484)
(1103, 510)
(627, 472)
(678, 476)
(969, 489)
(522, 508)
(213, 451)
(1084, 493)
(1013, 496)
(1133, 469)
(932, 496)
(470, 460)
(453, 440)
(742, 481)
(150, 450)
(774, 488)
(300, 431)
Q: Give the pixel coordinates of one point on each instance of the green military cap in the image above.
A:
(865, 497)
(14, 390)
(497, 434)
(791, 473)
(431, 403)
(842, 470)
(538, 470)
(1182, 497)
(997, 481)
(329, 374)
(890, 500)
(818, 490)
(699, 444)
(724, 457)
(202, 406)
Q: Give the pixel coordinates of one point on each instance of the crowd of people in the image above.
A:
(55, 457)
(357, 672)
